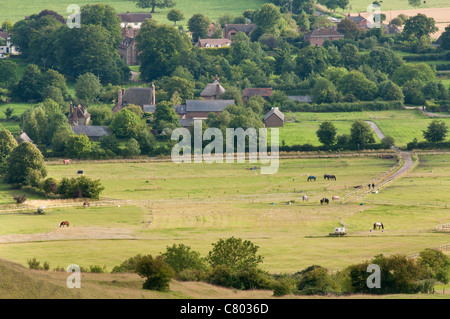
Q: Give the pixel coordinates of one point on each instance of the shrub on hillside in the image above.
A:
(156, 271)
(181, 257)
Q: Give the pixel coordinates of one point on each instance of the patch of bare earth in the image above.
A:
(70, 233)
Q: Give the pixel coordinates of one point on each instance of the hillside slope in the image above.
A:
(19, 282)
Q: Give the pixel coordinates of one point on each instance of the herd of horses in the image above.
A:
(323, 200)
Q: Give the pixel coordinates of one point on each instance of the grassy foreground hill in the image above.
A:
(19, 282)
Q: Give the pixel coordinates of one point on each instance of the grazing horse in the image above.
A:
(66, 162)
(324, 200)
(305, 198)
(311, 178)
(326, 176)
(64, 223)
(378, 224)
(335, 198)
(86, 204)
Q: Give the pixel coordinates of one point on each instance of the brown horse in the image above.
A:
(64, 223)
(86, 204)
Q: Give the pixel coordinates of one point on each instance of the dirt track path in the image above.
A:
(70, 233)
(408, 164)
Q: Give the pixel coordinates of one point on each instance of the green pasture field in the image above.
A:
(402, 125)
(17, 10)
(197, 204)
(361, 5)
(18, 108)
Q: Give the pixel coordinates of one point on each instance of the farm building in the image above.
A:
(319, 36)
(78, 115)
(301, 98)
(94, 133)
(213, 43)
(249, 92)
(199, 109)
(9, 48)
(23, 137)
(141, 96)
(213, 90)
(133, 20)
(359, 20)
(274, 118)
(127, 51)
(229, 30)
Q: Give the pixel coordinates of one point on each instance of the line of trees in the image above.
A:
(234, 263)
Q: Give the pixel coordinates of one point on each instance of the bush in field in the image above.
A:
(436, 263)
(97, 269)
(235, 253)
(315, 280)
(80, 187)
(36, 265)
(399, 274)
(181, 257)
(156, 272)
(128, 265)
(50, 185)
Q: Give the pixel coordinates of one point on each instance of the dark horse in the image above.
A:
(378, 224)
(324, 200)
(329, 177)
(311, 178)
(64, 223)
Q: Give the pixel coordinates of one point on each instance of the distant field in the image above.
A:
(361, 5)
(402, 125)
(16, 10)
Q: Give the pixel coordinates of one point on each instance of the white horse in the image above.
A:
(305, 198)
(379, 225)
(335, 198)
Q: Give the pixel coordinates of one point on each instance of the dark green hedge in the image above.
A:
(344, 106)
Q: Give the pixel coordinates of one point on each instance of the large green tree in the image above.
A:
(418, 26)
(436, 131)
(161, 4)
(198, 24)
(25, 165)
(327, 133)
(87, 87)
(268, 18)
(175, 15)
(8, 73)
(7, 144)
(235, 253)
(413, 71)
(361, 133)
(357, 84)
(159, 56)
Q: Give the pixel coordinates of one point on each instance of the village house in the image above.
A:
(359, 20)
(249, 92)
(200, 109)
(133, 20)
(141, 96)
(78, 115)
(301, 98)
(23, 137)
(127, 51)
(274, 118)
(319, 36)
(8, 48)
(230, 30)
(213, 43)
(213, 90)
(94, 132)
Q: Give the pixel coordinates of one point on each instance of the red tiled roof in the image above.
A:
(257, 91)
